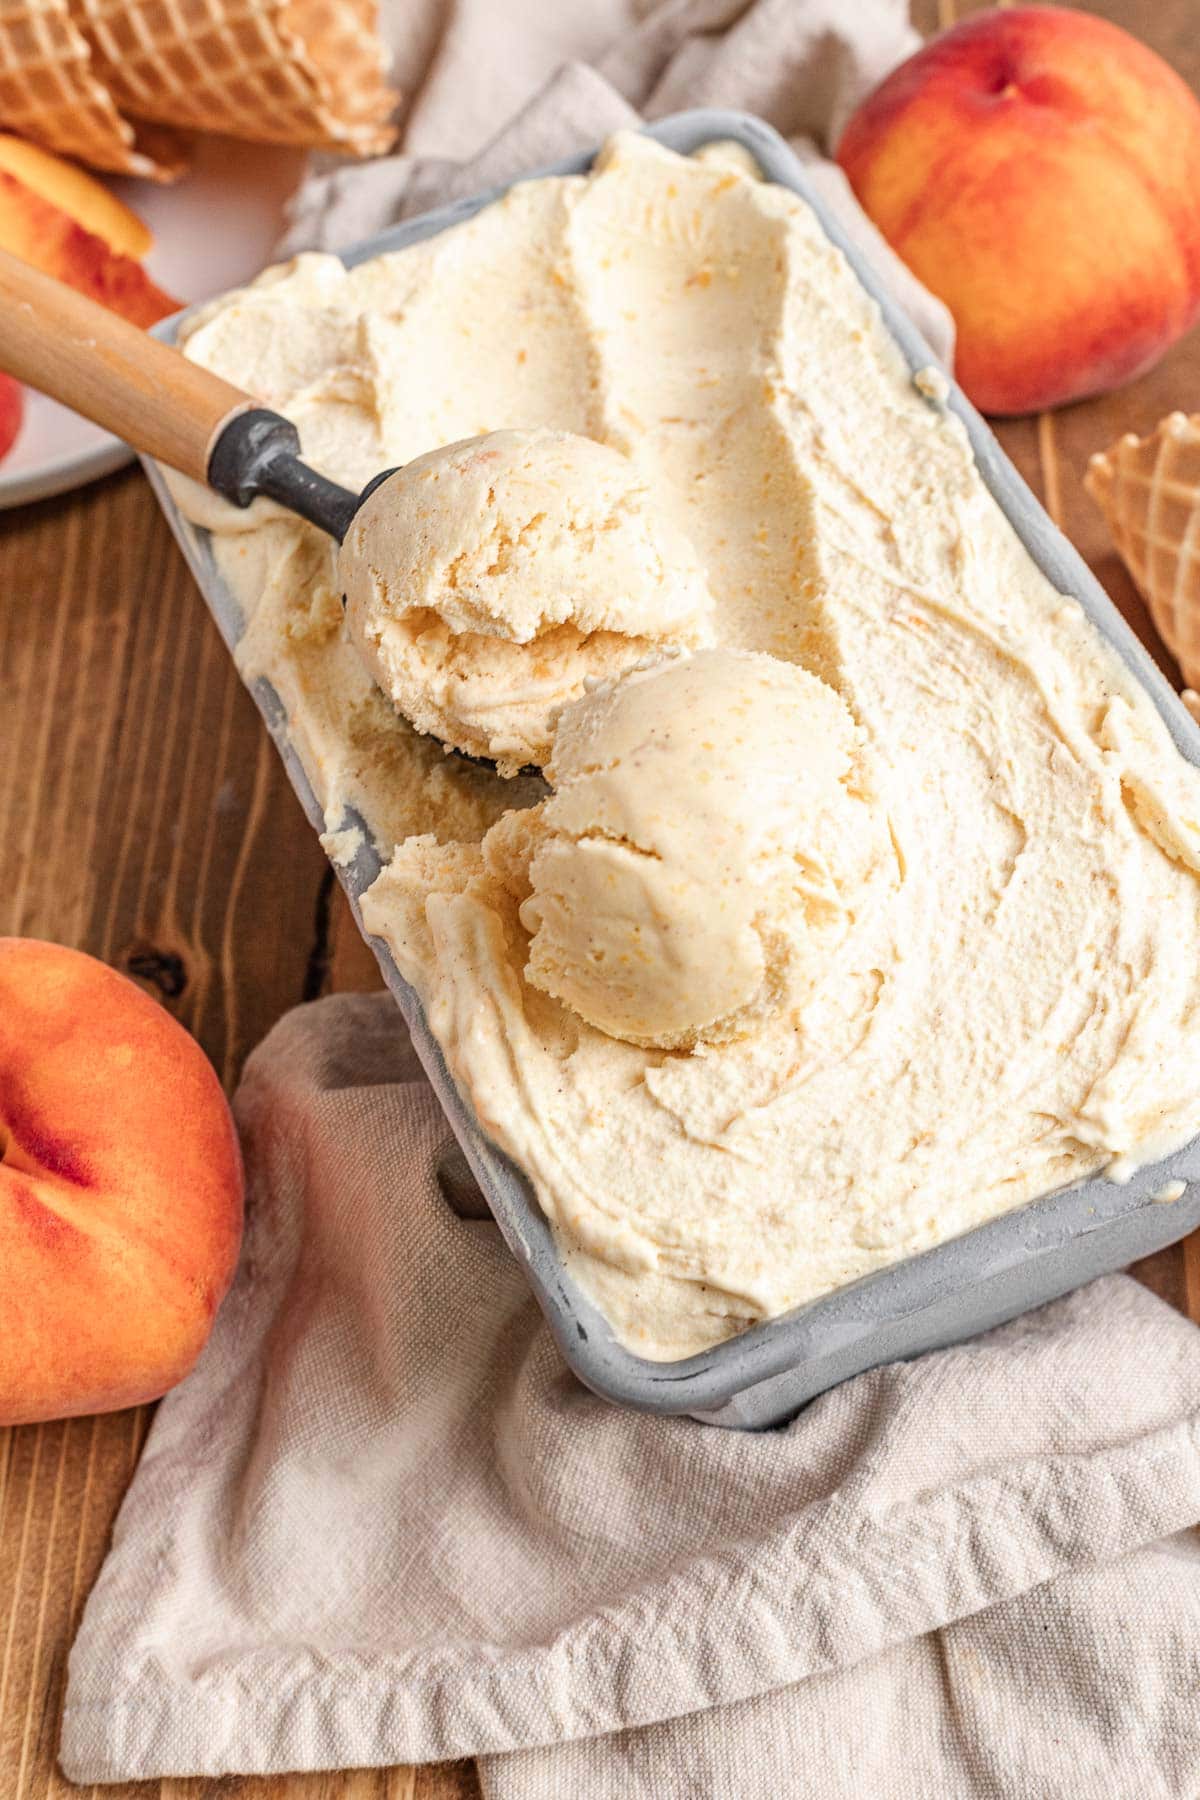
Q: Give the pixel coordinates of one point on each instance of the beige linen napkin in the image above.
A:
(381, 1522)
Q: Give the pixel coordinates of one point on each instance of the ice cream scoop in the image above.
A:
(489, 581)
(711, 835)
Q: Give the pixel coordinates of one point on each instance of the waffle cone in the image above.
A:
(1149, 490)
(305, 72)
(51, 93)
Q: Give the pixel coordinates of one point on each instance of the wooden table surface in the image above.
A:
(144, 817)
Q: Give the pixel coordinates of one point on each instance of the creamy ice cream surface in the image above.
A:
(712, 835)
(991, 941)
(487, 581)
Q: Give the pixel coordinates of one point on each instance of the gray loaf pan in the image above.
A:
(987, 1275)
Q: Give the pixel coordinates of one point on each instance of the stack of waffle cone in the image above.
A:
(1149, 489)
(74, 73)
(284, 71)
(50, 92)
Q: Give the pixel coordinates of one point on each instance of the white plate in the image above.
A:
(212, 230)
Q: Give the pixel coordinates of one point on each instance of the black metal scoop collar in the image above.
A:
(258, 453)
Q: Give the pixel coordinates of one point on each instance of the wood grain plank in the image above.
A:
(352, 968)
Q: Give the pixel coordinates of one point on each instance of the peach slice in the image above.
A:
(78, 194)
(41, 233)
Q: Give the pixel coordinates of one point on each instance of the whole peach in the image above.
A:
(1039, 169)
(120, 1189)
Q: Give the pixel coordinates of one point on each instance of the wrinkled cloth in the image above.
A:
(493, 92)
(382, 1522)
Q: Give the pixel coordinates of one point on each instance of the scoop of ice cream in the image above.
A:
(711, 835)
(487, 582)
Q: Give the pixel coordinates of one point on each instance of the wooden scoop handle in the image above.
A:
(112, 372)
